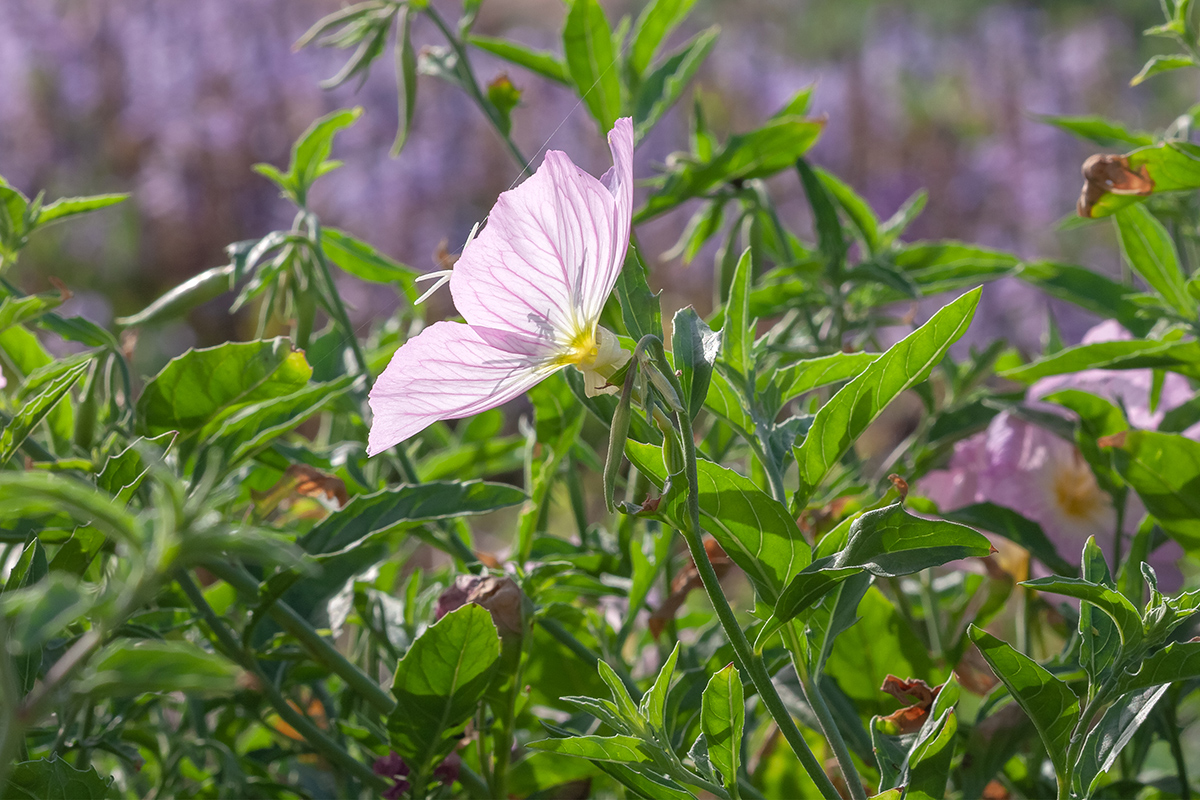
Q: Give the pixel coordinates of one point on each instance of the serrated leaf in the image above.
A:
(54, 779)
(35, 410)
(439, 684)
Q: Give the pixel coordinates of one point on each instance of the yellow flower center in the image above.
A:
(598, 354)
(1076, 491)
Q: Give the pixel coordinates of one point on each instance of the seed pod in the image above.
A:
(618, 433)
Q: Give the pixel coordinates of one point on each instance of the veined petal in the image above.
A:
(552, 249)
(451, 370)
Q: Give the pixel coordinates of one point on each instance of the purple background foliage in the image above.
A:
(175, 101)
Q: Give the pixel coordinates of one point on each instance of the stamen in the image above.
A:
(442, 276)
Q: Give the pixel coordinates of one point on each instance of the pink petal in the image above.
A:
(451, 370)
(552, 249)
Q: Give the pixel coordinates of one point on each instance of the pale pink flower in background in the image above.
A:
(531, 287)
(1045, 478)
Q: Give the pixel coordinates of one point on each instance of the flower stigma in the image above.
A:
(598, 354)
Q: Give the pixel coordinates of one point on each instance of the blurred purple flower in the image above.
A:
(1045, 478)
(447, 771)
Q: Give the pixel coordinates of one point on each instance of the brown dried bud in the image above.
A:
(1104, 174)
(499, 595)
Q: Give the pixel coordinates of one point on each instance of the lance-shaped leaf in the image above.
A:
(1179, 661)
(200, 385)
(1049, 702)
(1114, 730)
(657, 20)
(1181, 357)
(368, 516)
(35, 410)
(738, 330)
(588, 44)
(754, 529)
(1100, 639)
(654, 702)
(722, 718)
(1083, 287)
(439, 684)
(812, 373)
(545, 64)
(620, 749)
(1110, 601)
(310, 155)
(844, 418)
(663, 87)
(1149, 249)
(887, 542)
(1164, 469)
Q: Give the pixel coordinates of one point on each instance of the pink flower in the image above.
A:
(531, 287)
(1045, 478)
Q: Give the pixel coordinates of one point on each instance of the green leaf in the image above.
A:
(124, 472)
(619, 749)
(654, 702)
(1147, 247)
(694, 347)
(738, 331)
(1049, 702)
(1108, 738)
(1103, 132)
(255, 426)
(406, 78)
(770, 149)
(812, 373)
(54, 779)
(1015, 528)
(439, 684)
(830, 240)
(1100, 639)
(588, 44)
(722, 718)
(656, 21)
(930, 759)
(1179, 661)
(15, 310)
(310, 155)
(1160, 64)
(366, 517)
(130, 667)
(848, 413)
(545, 64)
(71, 206)
(887, 542)
(363, 261)
(199, 386)
(663, 87)
(35, 410)
(40, 612)
(640, 309)
(755, 530)
(1087, 289)
(1164, 469)
(857, 209)
(949, 265)
(1111, 602)
(1181, 357)
(45, 494)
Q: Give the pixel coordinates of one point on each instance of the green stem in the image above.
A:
(12, 732)
(752, 664)
(335, 298)
(316, 644)
(929, 606)
(812, 694)
(471, 84)
(233, 650)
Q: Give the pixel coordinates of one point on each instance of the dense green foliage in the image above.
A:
(209, 590)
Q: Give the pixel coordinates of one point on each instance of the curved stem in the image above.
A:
(471, 84)
(751, 663)
(335, 297)
(316, 644)
(234, 651)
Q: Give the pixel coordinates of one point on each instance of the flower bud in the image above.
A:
(499, 595)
